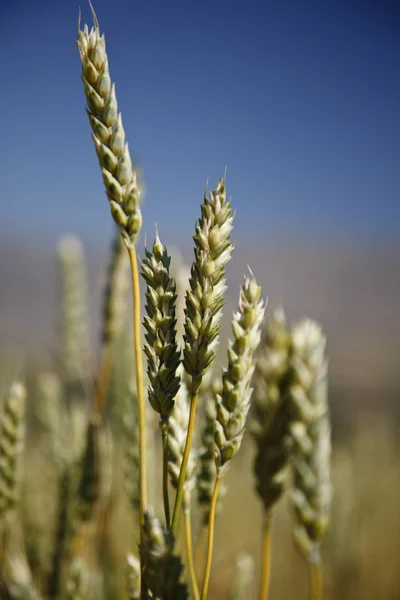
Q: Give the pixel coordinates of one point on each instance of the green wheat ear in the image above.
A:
(161, 348)
(119, 176)
(12, 429)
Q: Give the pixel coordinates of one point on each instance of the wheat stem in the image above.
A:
(139, 385)
(164, 436)
(211, 526)
(189, 553)
(266, 558)
(315, 572)
(182, 473)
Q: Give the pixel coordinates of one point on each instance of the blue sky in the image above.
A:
(300, 99)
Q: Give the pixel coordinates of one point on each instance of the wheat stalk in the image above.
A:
(310, 430)
(177, 428)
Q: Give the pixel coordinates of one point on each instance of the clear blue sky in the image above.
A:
(300, 99)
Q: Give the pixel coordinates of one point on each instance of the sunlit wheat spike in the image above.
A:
(74, 317)
(310, 430)
(77, 583)
(234, 401)
(12, 430)
(119, 176)
(161, 348)
(205, 297)
(177, 429)
(161, 568)
(271, 411)
(116, 290)
(133, 577)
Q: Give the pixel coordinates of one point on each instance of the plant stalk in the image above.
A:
(189, 553)
(266, 558)
(164, 436)
(139, 386)
(186, 453)
(211, 526)
(199, 550)
(315, 573)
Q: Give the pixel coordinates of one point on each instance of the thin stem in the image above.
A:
(103, 379)
(266, 558)
(189, 552)
(139, 387)
(164, 436)
(211, 526)
(315, 572)
(199, 550)
(186, 453)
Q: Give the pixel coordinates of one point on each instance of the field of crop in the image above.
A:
(177, 424)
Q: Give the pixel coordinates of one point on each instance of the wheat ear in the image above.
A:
(161, 569)
(12, 430)
(270, 426)
(74, 327)
(161, 348)
(310, 430)
(234, 402)
(204, 303)
(120, 178)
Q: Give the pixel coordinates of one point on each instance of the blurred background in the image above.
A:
(300, 100)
